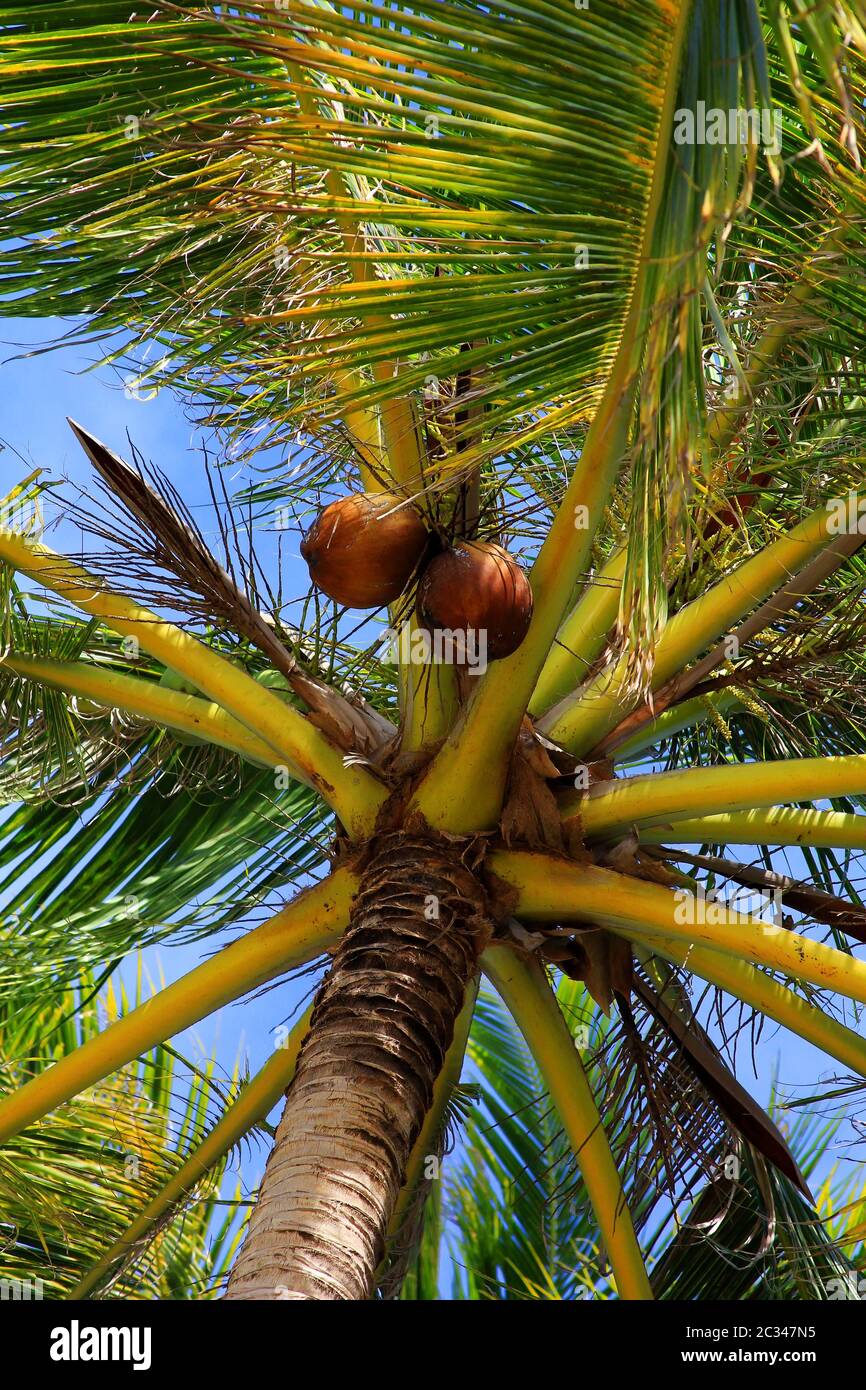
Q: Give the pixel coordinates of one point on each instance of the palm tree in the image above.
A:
(582, 278)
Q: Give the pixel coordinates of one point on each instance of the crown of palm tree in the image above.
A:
(585, 280)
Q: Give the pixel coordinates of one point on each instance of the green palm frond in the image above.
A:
(719, 1246)
(76, 1180)
(521, 1229)
(461, 177)
(159, 863)
(462, 193)
(519, 1217)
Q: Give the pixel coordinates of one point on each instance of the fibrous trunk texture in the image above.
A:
(381, 1026)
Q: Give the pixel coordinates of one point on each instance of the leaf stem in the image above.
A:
(353, 792)
(526, 993)
(310, 925)
(255, 1100)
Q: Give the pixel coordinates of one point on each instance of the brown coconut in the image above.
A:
(478, 585)
(363, 549)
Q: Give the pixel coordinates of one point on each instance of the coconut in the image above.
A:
(478, 586)
(276, 681)
(363, 549)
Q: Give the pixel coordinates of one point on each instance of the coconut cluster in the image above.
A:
(365, 549)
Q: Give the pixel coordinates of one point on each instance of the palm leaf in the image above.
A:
(79, 1177)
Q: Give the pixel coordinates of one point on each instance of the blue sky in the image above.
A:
(38, 392)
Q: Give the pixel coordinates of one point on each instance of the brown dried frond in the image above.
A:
(151, 533)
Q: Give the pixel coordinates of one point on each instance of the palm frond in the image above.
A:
(79, 1177)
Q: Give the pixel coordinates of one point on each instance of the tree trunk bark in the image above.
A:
(382, 1023)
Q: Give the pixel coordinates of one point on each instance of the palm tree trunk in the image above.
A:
(381, 1026)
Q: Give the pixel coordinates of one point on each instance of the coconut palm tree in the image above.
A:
(581, 281)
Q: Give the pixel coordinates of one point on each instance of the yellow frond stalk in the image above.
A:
(583, 718)
(611, 809)
(550, 889)
(581, 637)
(428, 692)
(686, 715)
(146, 699)
(309, 926)
(526, 993)
(355, 795)
(257, 1098)
(780, 825)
